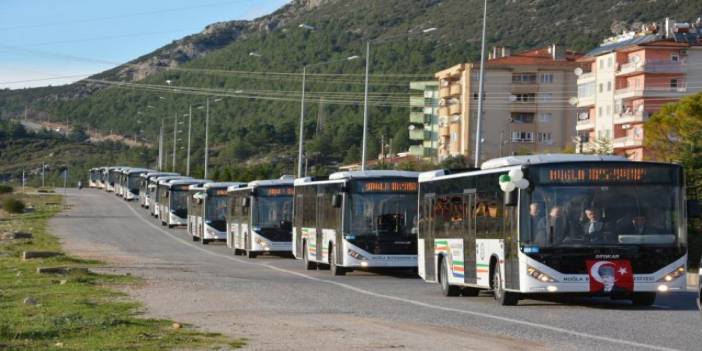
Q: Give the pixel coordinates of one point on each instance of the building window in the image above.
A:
(599, 111)
(674, 84)
(544, 138)
(545, 117)
(601, 63)
(523, 78)
(609, 86)
(522, 117)
(530, 97)
(609, 62)
(546, 78)
(675, 57)
(522, 137)
(586, 90)
(609, 110)
(600, 87)
(584, 137)
(544, 97)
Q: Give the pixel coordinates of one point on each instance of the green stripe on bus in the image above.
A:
(460, 263)
(482, 265)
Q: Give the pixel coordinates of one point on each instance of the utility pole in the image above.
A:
(23, 180)
(175, 140)
(207, 132)
(365, 110)
(160, 148)
(43, 169)
(190, 125)
(481, 86)
(302, 127)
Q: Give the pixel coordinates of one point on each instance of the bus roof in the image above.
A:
(158, 174)
(173, 182)
(373, 174)
(167, 178)
(221, 185)
(131, 171)
(284, 180)
(547, 158)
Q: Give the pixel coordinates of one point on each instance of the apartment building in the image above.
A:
(628, 78)
(424, 119)
(525, 104)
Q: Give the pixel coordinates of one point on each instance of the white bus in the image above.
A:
(144, 198)
(356, 220)
(260, 217)
(131, 180)
(111, 177)
(94, 178)
(173, 200)
(544, 224)
(154, 195)
(207, 211)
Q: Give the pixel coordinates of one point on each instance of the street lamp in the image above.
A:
(481, 87)
(302, 108)
(365, 93)
(207, 128)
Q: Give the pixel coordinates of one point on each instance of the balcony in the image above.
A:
(444, 111)
(632, 68)
(585, 124)
(586, 78)
(444, 92)
(661, 92)
(417, 101)
(628, 117)
(626, 142)
(416, 134)
(455, 89)
(584, 101)
(417, 117)
(417, 150)
(454, 109)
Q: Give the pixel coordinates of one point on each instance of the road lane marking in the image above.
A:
(405, 300)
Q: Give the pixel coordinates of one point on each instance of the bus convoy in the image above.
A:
(519, 226)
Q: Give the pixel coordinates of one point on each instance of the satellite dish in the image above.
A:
(640, 108)
(512, 98)
(411, 127)
(635, 59)
(578, 71)
(573, 101)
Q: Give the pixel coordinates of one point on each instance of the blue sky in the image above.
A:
(42, 39)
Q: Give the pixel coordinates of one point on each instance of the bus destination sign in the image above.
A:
(220, 192)
(387, 187)
(276, 191)
(596, 174)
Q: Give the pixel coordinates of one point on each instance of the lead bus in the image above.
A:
(545, 224)
(260, 217)
(354, 220)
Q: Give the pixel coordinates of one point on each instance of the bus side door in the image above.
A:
(469, 236)
(320, 224)
(426, 228)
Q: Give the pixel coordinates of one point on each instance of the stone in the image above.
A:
(58, 344)
(30, 301)
(177, 325)
(60, 270)
(63, 282)
(27, 255)
(15, 235)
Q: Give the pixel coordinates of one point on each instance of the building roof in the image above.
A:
(542, 56)
(607, 48)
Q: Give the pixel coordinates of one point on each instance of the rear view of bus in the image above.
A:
(357, 220)
(574, 224)
(260, 217)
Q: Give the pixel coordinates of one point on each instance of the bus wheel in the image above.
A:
(251, 254)
(335, 270)
(643, 298)
(446, 288)
(195, 238)
(504, 298)
(309, 265)
(204, 241)
(170, 226)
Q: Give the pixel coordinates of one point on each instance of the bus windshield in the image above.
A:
(216, 208)
(381, 215)
(273, 212)
(606, 215)
(179, 200)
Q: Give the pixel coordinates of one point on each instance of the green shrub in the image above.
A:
(13, 205)
(6, 189)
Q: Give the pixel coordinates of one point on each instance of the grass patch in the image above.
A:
(81, 310)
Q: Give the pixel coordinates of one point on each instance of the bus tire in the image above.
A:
(643, 298)
(333, 268)
(204, 241)
(309, 265)
(170, 226)
(446, 288)
(251, 254)
(195, 238)
(503, 297)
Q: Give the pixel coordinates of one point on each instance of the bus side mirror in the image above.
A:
(245, 201)
(336, 201)
(693, 209)
(511, 198)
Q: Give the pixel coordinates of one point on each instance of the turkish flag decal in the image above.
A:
(610, 276)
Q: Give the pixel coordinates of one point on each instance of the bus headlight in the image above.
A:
(356, 255)
(261, 243)
(539, 275)
(673, 275)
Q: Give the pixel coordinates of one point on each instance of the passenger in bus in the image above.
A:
(639, 225)
(535, 216)
(593, 227)
(553, 228)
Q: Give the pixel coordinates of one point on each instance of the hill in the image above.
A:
(256, 123)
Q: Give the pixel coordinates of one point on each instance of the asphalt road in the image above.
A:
(271, 285)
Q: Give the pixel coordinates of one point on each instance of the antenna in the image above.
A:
(578, 71)
(635, 59)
